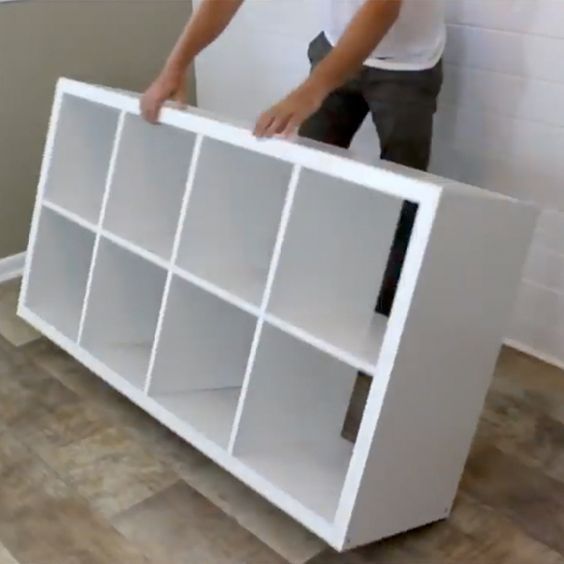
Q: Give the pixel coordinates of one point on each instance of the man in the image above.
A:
(377, 56)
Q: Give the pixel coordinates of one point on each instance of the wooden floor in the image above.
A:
(86, 477)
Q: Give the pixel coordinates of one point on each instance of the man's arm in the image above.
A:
(203, 28)
(368, 27)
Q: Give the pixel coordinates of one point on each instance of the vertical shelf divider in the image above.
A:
(107, 188)
(192, 167)
(285, 218)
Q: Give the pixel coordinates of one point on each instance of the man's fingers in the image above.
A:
(292, 126)
(180, 96)
(263, 123)
(148, 111)
(150, 108)
(278, 125)
(154, 110)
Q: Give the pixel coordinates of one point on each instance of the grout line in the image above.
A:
(455, 102)
(191, 175)
(455, 105)
(275, 259)
(522, 34)
(543, 248)
(525, 77)
(543, 287)
(109, 179)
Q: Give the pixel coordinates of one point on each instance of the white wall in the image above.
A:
(500, 124)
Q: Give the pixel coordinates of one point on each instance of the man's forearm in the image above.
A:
(368, 27)
(210, 19)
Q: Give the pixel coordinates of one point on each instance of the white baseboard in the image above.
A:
(549, 359)
(11, 267)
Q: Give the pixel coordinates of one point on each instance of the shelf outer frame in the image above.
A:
(451, 216)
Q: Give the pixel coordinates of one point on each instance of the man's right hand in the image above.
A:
(169, 85)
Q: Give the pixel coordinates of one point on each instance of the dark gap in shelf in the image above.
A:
(357, 405)
(396, 258)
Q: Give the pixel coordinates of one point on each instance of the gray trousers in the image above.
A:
(402, 105)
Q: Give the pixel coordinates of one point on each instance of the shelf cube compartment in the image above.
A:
(148, 184)
(333, 261)
(291, 428)
(83, 145)
(122, 311)
(233, 217)
(201, 359)
(59, 272)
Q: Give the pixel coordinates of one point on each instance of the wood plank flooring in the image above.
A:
(86, 477)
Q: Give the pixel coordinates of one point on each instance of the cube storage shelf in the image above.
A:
(227, 286)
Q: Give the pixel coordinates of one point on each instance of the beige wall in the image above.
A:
(109, 42)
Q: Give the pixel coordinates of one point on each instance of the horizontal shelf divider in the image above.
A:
(217, 291)
(320, 344)
(71, 216)
(135, 249)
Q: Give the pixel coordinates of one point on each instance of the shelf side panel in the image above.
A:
(434, 376)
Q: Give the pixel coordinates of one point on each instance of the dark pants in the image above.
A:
(401, 104)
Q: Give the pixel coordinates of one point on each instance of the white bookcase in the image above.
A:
(227, 286)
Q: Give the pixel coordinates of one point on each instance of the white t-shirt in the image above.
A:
(416, 41)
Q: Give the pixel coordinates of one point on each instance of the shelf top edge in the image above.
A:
(385, 177)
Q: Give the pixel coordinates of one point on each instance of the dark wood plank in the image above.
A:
(273, 527)
(43, 521)
(179, 525)
(100, 460)
(531, 499)
(518, 427)
(112, 460)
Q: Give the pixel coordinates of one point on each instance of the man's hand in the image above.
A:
(365, 31)
(169, 85)
(207, 23)
(286, 117)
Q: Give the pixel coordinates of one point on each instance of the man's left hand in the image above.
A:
(287, 116)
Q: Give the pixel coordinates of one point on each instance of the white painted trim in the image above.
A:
(531, 351)
(11, 267)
